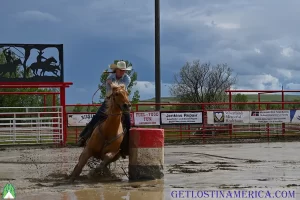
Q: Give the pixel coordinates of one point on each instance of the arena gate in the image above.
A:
(33, 66)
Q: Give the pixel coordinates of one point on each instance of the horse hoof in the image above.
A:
(91, 174)
(71, 180)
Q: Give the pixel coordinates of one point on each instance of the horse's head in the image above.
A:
(120, 96)
(51, 59)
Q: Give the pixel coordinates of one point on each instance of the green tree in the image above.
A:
(133, 76)
(136, 97)
(78, 108)
(242, 98)
(202, 83)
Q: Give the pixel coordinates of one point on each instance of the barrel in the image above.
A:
(146, 154)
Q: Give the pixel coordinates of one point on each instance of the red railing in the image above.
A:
(204, 130)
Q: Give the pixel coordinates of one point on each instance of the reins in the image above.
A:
(123, 112)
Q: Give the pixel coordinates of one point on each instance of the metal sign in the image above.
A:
(31, 63)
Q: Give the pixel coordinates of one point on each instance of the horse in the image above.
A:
(10, 68)
(104, 143)
(36, 66)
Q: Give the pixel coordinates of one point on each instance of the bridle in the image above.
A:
(125, 112)
(112, 97)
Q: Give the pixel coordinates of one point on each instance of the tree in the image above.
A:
(240, 98)
(136, 97)
(201, 83)
(133, 76)
(78, 108)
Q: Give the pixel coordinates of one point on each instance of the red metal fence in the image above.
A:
(204, 121)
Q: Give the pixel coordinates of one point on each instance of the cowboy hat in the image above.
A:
(120, 65)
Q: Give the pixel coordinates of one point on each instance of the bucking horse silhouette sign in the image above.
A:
(31, 63)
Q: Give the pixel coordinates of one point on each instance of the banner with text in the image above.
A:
(181, 117)
(79, 119)
(228, 117)
(146, 118)
(253, 117)
(270, 116)
(84, 119)
(295, 116)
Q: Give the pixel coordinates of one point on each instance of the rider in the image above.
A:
(8, 55)
(119, 76)
(40, 56)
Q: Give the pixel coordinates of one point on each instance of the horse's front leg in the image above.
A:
(108, 158)
(83, 158)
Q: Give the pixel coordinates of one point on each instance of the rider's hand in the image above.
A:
(109, 81)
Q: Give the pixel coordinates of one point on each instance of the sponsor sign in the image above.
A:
(295, 116)
(146, 118)
(84, 119)
(228, 117)
(181, 117)
(270, 116)
(79, 119)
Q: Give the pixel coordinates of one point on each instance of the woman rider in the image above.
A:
(118, 76)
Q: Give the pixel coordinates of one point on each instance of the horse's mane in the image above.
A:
(110, 102)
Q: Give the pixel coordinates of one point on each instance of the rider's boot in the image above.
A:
(125, 143)
(85, 134)
(124, 147)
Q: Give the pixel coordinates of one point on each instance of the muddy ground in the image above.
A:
(39, 173)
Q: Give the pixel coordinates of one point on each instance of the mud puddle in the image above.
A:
(42, 173)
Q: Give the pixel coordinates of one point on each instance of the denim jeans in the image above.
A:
(100, 115)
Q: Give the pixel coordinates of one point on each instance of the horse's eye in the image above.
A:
(117, 93)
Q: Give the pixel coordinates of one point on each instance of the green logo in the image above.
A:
(8, 192)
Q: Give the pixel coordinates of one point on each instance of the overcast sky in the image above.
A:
(259, 39)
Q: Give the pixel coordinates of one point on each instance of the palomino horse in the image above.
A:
(104, 143)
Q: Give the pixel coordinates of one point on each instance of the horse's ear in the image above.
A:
(113, 87)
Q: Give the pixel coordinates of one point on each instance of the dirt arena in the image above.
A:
(39, 173)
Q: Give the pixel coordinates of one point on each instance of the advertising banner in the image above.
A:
(270, 116)
(146, 118)
(84, 119)
(79, 119)
(181, 117)
(295, 116)
(228, 117)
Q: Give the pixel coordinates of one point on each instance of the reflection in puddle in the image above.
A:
(113, 194)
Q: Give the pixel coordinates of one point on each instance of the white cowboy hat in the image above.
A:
(120, 65)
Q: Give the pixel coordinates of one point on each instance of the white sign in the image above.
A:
(79, 119)
(181, 117)
(228, 117)
(146, 118)
(270, 116)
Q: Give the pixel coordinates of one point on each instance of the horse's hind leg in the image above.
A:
(83, 158)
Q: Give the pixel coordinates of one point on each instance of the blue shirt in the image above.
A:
(125, 79)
